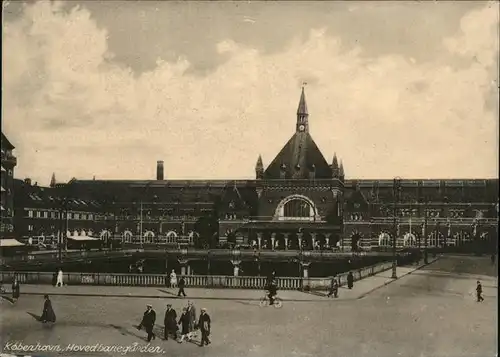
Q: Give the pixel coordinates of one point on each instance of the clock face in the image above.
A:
(302, 127)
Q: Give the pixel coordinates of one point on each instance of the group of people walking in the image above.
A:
(187, 321)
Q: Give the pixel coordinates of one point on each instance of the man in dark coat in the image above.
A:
(148, 322)
(191, 311)
(350, 280)
(181, 284)
(204, 326)
(48, 314)
(479, 292)
(15, 289)
(170, 322)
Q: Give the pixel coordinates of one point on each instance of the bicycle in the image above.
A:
(264, 301)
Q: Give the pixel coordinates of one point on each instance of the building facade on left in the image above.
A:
(8, 164)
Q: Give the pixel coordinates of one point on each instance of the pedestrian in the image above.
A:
(191, 310)
(48, 314)
(479, 292)
(334, 288)
(173, 279)
(59, 282)
(182, 284)
(15, 289)
(170, 322)
(184, 321)
(54, 279)
(148, 322)
(492, 259)
(350, 280)
(204, 326)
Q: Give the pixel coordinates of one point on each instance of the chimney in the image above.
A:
(159, 170)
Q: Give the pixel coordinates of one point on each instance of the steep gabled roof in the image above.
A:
(300, 155)
(6, 144)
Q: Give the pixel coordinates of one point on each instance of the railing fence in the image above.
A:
(198, 281)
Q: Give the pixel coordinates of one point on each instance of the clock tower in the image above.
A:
(302, 115)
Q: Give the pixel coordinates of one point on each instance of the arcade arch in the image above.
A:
(171, 237)
(296, 208)
(384, 240)
(409, 240)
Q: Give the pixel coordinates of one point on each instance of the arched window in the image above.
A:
(149, 237)
(297, 208)
(105, 235)
(436, 239)
(409, 240)
(193, 236)
(384, 240)
(128, 236)
(171, 237)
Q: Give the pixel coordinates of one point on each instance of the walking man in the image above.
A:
(191, 311)
(334, 288)
(182, 284)
(170, 322)
(15, 289)
(350, 280)
(479, 292)
(204, 326)
(148, 322)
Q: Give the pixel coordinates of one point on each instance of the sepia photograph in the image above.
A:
(249, 178)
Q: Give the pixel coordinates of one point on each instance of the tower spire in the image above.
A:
(335, 167)
(259, 168)
(53, 180)
(341, 171)
(302, 113)
(335, 162)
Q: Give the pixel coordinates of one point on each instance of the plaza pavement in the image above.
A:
(430, 312)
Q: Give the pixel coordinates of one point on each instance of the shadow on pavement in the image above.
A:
(35, 316)
(168, 293)
(126, 332)
(9, 299)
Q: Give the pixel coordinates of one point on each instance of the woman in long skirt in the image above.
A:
(15, 289)
(48, 314)
(173, 279)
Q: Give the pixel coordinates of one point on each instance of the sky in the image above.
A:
(107, 88)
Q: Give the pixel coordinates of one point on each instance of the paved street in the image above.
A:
(430, 312)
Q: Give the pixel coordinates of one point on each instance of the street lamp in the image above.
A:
(396, 190)
(256, 258)
(236, 254)
(208, 262)
(63, 228)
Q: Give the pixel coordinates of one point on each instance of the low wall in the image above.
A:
(209, 281)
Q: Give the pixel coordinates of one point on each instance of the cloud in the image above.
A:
(70, 108)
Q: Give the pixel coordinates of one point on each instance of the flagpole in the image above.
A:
(140, 227)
